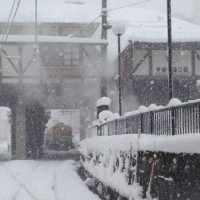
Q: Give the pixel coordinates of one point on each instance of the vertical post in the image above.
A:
(151, 121)
(193, 63)
(104, 49)
(1, 60)
(169, 28)
(36, 27)
(150, 63)
(170, 81)
(20, 118)
(119, 75)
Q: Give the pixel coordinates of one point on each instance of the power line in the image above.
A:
(10, 26)
(8, 20)
(117, 8)
(37, 57)
(84, 27)
(129, 5)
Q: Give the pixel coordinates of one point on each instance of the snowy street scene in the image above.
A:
(45, 180)
(99, 100)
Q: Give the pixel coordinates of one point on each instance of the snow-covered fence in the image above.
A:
(170, 120)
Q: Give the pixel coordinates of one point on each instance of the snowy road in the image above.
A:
(42, 180)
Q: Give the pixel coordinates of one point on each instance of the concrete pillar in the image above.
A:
(20, 133)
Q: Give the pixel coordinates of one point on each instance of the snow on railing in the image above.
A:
(130, 147)
(174, 119)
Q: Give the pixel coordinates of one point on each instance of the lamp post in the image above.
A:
(118, 29)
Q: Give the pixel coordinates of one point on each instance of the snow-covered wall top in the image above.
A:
(188, 143)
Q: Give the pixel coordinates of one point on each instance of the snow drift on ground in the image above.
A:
(42, 180)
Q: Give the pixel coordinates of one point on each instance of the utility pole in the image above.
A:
(104, 50)
(170, 64)
(119, 74)
(169, 28)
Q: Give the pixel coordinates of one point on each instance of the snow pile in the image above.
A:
(188, 143)
(103, 101)
(174, 102)
(107, 159)
(5, 132)
(143, 109)
(106, 116)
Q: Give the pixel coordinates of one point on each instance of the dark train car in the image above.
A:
(59, 138)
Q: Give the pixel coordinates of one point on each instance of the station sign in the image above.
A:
(180, 71)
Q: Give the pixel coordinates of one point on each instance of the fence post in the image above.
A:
(151, 123)
(141, 123)
(173, 120)
(130, 173)
(116, 127)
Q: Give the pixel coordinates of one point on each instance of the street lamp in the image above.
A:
(118, 29)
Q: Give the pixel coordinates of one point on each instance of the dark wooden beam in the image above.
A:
(163, 77)
(193, 63)
(28, 64)
(140, 62)
(20, 70)
(163, 45)
(10, 61)
(150, 63)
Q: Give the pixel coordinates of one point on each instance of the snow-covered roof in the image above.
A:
(144, 25)
(73, 11)
(141, 24)
(54, 39)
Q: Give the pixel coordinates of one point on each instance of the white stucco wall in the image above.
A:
(181, 63)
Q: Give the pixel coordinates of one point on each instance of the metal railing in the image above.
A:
(176, 120)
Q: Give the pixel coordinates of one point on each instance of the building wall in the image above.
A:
(54, 29)
(67, 91)
(181, 63)
(147, 86)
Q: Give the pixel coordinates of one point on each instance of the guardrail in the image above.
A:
(175, 120)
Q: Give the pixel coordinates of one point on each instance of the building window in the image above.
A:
(60, 56)
(71, 56)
